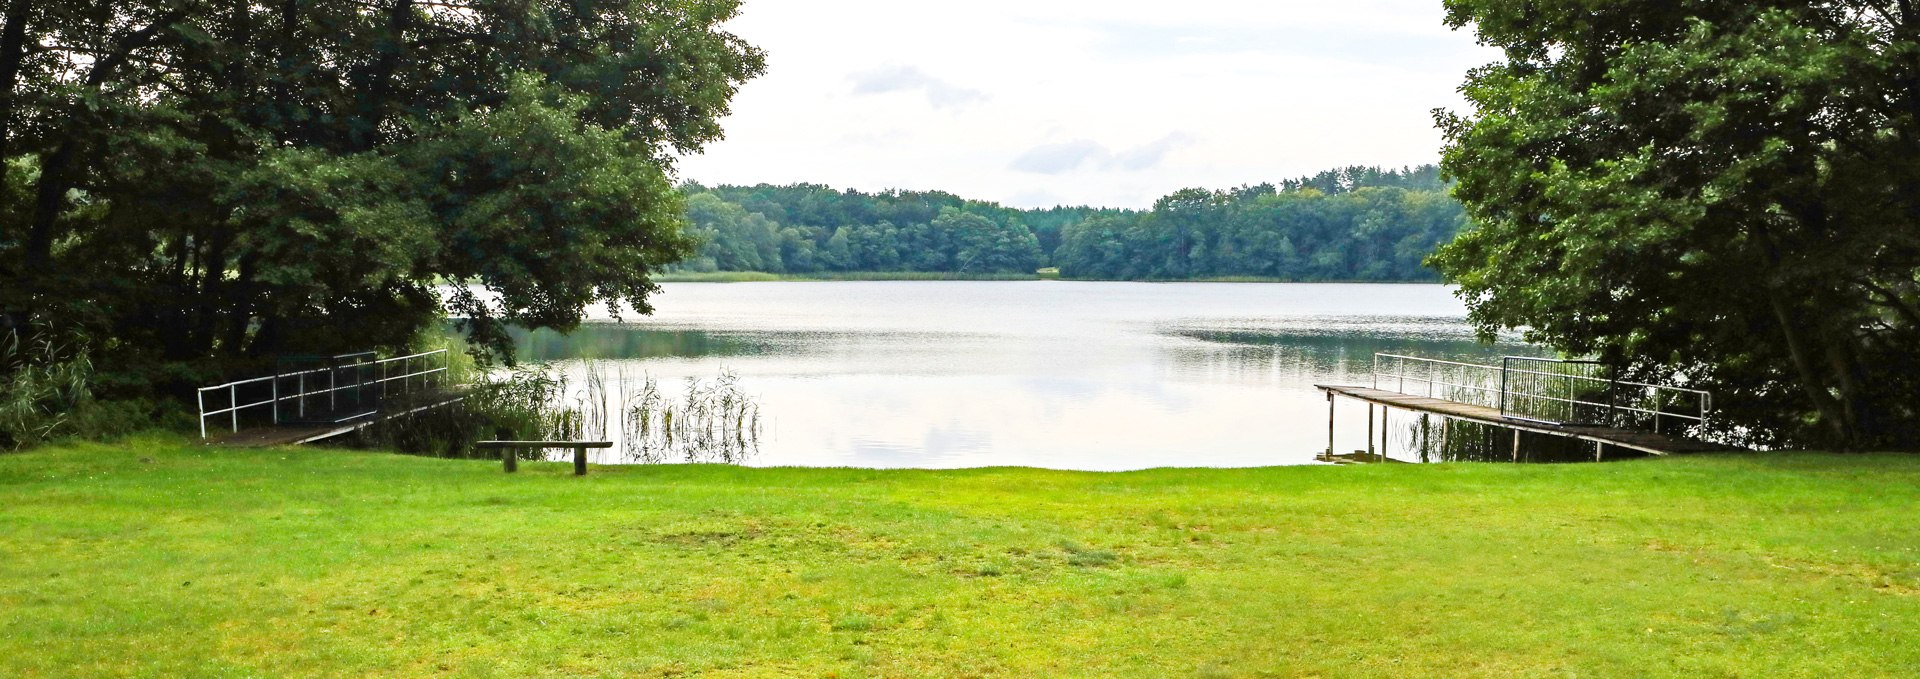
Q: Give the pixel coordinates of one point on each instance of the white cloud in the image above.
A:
(1060, 158)
(1064, 157)
(1014, 100)
(940, 93)
(1150, 155)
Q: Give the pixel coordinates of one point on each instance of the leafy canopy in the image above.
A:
(207, 182)
(1354, 223)
(1722, 193)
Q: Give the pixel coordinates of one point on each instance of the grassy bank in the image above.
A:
(158, 558)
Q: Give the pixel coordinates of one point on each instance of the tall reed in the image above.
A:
(714, 421)
(42, 383)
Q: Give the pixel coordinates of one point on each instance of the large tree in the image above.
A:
(198, 181)
(1724, 193)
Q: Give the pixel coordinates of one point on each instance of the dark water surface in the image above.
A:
(1066, 375)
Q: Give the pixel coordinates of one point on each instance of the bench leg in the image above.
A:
(510, 459)
(580, 461)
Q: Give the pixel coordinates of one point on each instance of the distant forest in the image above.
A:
(1355, 223)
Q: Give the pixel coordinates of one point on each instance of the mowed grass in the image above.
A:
(159, 558)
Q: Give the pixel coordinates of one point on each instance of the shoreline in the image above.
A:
(910, 276)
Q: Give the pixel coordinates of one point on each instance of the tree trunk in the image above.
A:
(49, 198)
(212, 296)
(1831, 412)
(1841, 358)
(13, 49)
(240, 311)
(50, 194)
(380, 80)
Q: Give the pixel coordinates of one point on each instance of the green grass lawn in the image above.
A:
(158, 558)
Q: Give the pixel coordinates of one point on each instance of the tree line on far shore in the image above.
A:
(1355, 223)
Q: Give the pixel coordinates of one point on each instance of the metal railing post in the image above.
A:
(1573, 401)
(200, 396)
(276, 400)
(1503, 386)
(233, 403)
(302, 396)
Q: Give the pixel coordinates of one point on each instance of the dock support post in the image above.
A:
(1516, 445)
(1426, 438)
(1329, 426)
(1383, 434)
(510, 459)
(580, 461)
(1369, 428)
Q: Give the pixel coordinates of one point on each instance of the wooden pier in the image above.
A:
(1642, 441)
(300, 434)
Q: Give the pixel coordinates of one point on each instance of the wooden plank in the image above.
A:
(1647, 442)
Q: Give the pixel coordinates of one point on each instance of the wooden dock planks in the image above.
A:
(1647, 442)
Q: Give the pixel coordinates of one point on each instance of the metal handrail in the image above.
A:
(1590, 379)
(234, 407)
(1505, 394)
(1433, 378)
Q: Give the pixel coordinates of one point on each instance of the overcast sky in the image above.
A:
(1034, 103)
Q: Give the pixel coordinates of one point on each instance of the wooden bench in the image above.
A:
(509, 451)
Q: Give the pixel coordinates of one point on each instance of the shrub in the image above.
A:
(46, 393)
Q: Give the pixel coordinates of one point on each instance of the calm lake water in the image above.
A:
(1065, 375)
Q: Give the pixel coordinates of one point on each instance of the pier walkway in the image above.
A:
(313, 398)
(1568, 399)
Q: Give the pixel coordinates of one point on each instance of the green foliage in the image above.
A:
(214, 185)
(46, 393)
(1356, 223)
(808, 229)
(526, 403)
(42, 383)
(1357, 231)
(1723, 194)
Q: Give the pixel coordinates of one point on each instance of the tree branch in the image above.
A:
(1893, 301)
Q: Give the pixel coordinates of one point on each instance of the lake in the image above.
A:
(1056, 374)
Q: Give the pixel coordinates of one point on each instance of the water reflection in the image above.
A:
(612, 341)
(1064, 375)
(1339, 349)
